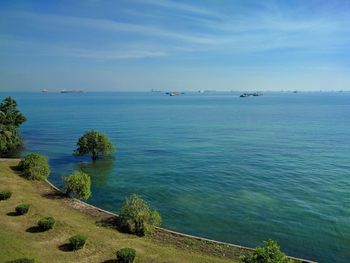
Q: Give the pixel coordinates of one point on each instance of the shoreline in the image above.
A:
(97, 212)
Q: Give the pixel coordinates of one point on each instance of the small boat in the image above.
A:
(44, 91)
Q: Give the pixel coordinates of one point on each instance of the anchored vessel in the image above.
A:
(255, 94)
(72, 91)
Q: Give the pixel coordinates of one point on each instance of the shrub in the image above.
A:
(34, 167)
(137, 217)
(22, 260)
(46, 223)
(77, 242)
(4, 195)
(78, 185)
(22, 209)
(270, 253)
(126, 255)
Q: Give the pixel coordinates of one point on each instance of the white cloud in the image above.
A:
(184, 7)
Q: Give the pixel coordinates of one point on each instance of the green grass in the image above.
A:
(19, 236)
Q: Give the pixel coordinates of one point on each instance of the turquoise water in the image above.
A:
(214, 165)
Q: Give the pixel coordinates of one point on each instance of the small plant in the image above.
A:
(126, 255)
(78, 185)
(22, 260)
(137, 217)
(34, 167)
(4, 195)
(46, 223)
(22, 209)
(269, 253)
(77, 242)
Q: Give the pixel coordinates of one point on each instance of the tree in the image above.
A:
(10, 120)
(137, 217)
(78, 185)
(270, 253)
(34, 166)
(94, 143)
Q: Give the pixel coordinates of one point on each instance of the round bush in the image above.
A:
(46, 223)
(78, 185)
(4, 195)
(22, 209)
(270, 252)
(34, 167)
(137, 217)
(126, 255)
(22, 260)
(77, 242)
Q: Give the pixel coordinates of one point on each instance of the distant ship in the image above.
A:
(173, 93)
(44, 91)
(72, 91)
(154, 90)
(206, 91)
(255, 94)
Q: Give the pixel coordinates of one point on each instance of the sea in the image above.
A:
(238, 170)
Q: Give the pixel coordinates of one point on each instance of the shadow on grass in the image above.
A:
(114, 222)
(65, 248)
(34, 229)
(54, 195)
(110, 261)
(111, 222)
(15, 168)
(12, 214)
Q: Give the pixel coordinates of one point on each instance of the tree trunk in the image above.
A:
(94, 155)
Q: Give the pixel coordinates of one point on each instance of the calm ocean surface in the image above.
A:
(214, 165)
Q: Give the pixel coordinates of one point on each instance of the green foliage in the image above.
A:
(77, 242)
(46, 223)
(34, 166)
(137, 217)
(94, 143)
(22, 209)
(78, 185)
(10, 120)
(270, 253)
(4, 195)
(126, 255)
(22, 260)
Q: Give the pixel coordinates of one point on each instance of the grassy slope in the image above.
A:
(16, 241)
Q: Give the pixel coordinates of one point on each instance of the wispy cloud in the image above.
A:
(206, 36)
(24, 47)
(179, 6)
(231, 34)
(110, 25)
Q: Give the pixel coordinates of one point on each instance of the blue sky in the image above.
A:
(136, 45)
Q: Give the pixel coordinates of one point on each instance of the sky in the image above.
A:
(138, 45)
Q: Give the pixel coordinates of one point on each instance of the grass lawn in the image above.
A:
(19, 238)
